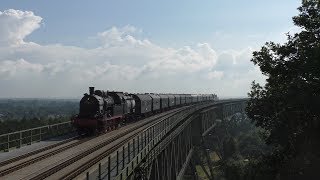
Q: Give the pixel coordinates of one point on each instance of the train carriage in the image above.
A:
(188, 99)
(194, 98)
(177, 99)
(211, 97)
(182, 99)
(215, 97)
(204, 97)
(143, 103)
(155, 102)
(164, 102)
(172, 102)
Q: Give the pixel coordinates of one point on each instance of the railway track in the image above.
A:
(22, 161)
(12, 160)
(12, 165)
(74, 173)
(121, 137)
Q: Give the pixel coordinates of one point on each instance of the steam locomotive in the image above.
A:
(102, 111)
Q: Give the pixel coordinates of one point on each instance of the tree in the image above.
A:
(288, 105)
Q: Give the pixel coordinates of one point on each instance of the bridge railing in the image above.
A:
(123, 161)
(26, 137)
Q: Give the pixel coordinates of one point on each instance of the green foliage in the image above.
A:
(241, 145)
(230, 147)
(288, 105)
(20, 114)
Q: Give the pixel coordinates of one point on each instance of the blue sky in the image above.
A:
(228, 30)
(166, 22)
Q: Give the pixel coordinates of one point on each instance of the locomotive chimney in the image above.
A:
(91, 90)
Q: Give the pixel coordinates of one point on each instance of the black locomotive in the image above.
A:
(102, 111)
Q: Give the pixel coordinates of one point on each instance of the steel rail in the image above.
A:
(107, 152)
(38, 158)
(64, 164)
(23, 156)
(53, 151)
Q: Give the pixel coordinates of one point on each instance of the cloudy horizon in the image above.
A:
(124, 57)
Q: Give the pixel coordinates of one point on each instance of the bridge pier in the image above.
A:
(176, 155)
(171, 148)
(173, 157)
(201, 126)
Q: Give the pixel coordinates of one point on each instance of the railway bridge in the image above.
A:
(162, 146)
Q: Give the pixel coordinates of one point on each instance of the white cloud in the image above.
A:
(122, 62)
(215, 74)
(16, 25)
(12, 68)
